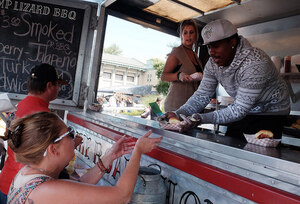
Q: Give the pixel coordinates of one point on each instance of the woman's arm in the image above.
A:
(121, 147)
(171, 64)
(128, 179)
(169, 76)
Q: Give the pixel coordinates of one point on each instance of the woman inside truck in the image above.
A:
(46, 145)
(183, 68)
(261, 97)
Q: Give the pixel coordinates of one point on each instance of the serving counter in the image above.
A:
(198, 166)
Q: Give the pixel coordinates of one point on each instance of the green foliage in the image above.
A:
(133, 112)
(113, 50)
(162, 87)
(158, 65)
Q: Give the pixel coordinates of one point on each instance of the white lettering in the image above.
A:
(42, 55)
(46, 10)
(31, 8)
(64, 13)
(38, 9)
(5, 3)
(56, 12)
(51, 30)
(72, 15)
(26, 7)
(11, 50)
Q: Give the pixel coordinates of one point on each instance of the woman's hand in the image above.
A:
(183, 77)
(123, 146)
(197, 76)
(145, 144)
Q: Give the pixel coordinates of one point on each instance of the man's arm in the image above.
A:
(199, 100)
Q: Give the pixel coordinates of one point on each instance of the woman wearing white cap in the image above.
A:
(183, 68)
(261, 97)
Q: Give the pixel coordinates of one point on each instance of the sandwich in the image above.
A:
(264, 134)
(174, 120)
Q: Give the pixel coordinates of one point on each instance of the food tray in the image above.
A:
(168, 126)
(266, 142)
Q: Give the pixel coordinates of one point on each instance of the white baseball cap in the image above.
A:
(217, 30)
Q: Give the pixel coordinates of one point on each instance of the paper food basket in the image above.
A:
(265, 142)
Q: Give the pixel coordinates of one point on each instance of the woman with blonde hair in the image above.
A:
(183, 67)
(45, 145)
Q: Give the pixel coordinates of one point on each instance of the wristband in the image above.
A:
(102, 167)
(178, 73)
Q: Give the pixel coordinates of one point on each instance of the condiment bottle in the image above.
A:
(287, 64)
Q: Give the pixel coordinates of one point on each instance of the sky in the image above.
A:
(136, 41)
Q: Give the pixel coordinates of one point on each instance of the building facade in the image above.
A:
(119, 71)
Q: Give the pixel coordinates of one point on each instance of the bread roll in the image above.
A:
(174, 120)
(264, 134)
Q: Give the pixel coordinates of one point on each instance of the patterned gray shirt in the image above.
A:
(251, 79)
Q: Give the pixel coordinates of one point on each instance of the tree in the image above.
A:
(162, 87)
(113, 50)
(158, 65)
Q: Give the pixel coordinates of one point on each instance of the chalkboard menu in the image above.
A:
(33, 32)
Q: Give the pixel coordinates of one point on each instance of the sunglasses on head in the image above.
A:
(71, 133)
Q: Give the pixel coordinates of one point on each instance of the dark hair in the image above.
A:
(30, 136)
(37, 87)
(39, 76)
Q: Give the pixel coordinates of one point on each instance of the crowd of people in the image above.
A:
(117, 100)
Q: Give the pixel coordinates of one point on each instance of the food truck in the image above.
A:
(199, 166)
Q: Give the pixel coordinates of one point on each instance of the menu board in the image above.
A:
(35, 32)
